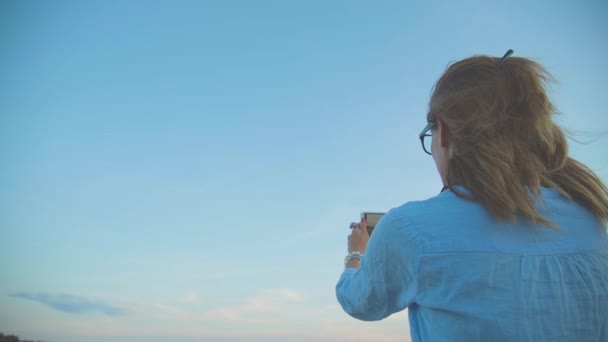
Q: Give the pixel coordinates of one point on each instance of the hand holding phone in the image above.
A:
(372, 219)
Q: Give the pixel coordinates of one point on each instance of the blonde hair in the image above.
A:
(505, 144)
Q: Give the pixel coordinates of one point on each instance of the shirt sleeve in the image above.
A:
(386, 281)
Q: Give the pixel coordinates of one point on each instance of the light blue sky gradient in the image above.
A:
(196, 164)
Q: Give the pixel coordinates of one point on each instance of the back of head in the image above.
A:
(504, 142)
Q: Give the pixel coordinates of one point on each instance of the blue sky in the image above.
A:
(186, 171)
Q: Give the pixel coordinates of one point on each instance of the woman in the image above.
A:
(516, 247)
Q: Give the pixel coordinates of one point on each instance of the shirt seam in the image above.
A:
(420, 246)
(516, 254)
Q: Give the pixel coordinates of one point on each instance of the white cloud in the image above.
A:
(270, 312)
(266, 307)
(287, 294)
(192, 297)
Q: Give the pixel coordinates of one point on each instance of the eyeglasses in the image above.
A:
(425, 137)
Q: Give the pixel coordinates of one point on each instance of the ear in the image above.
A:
(444, 134)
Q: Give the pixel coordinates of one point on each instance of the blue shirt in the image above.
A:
(464, 276)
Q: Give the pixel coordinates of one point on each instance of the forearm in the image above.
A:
(380, 279)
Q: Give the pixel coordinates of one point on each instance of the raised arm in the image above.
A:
(385, 282)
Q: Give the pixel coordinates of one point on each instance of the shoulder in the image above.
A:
(444, 204)
(404, 222)
(434, 220)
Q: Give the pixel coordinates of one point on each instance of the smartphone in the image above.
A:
(372, 220)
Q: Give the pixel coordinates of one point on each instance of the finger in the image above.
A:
(364, 225)
(357, 231)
